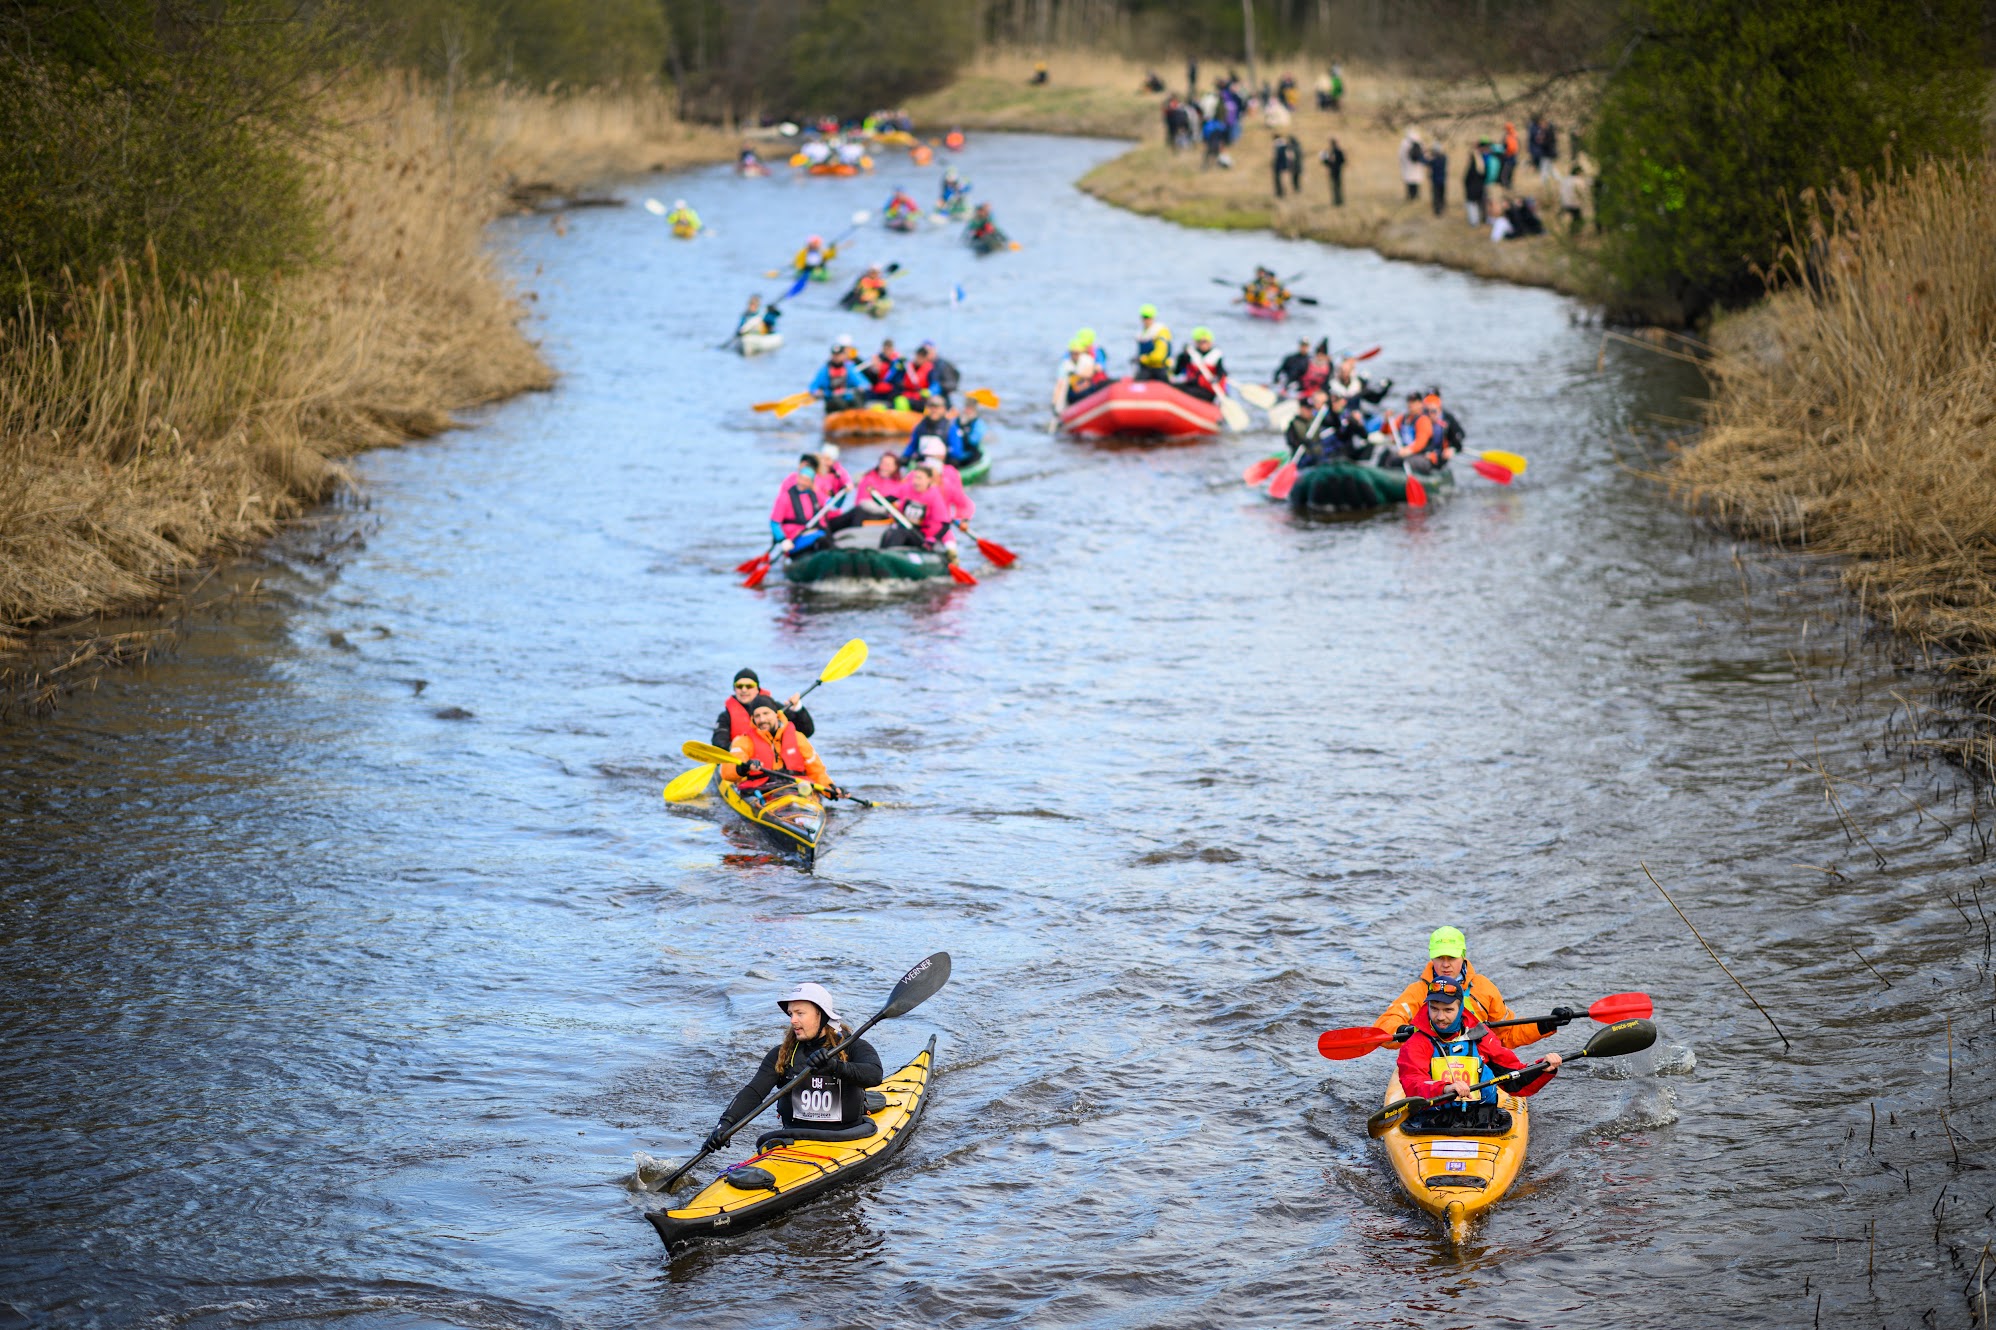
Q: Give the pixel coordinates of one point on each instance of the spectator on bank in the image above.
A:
(1413, 164)
(1437, 178)
(1333, 159)
(1473, 183)
(1177, 124)
(1573, 199)
(1548, 152)
(1283, 162)
(1510, 154)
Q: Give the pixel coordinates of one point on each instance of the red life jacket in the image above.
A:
(761, 750)
(738, 720)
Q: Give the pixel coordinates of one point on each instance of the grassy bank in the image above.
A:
(1092, 94)
(1853, 417)
(150, 422)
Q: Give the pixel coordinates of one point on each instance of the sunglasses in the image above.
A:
(741, 686)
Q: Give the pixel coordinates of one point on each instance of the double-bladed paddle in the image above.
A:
(1358, 1040)
(916, 987)
(706, 752)
(1617, 1040)
(758, 567)
(688, 785)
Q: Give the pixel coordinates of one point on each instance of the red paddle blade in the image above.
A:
(1260, 470)
(995, 552)
(1491, 471)
(1355, 1042)
(1417, 493)
(754, 579)
(961, 576)
(1621, 1007)
(1367, 355)
(1285, 480)
(750, 565)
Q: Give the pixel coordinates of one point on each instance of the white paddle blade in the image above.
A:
(1282, 413)
(1234, 414)
(1256, 395)
(654, 207)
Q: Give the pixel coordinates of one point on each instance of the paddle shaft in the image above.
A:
(821, 515)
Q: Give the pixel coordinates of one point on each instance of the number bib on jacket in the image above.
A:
(1468, 1069)
(819, 1099)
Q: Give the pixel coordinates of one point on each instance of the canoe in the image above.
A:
(756, 344)
(1140, 408)
(781, 1176)
(976, 471)
(1348, 487)
(886, 566)
(870, 422)
(1273, 313)
(1456, 1177)
(790, 817)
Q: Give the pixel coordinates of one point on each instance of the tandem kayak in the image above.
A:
(1349, 487)
(1458, 1174)
(870, 421)
(791, 817)
(794, 1165)
(865, 563)
(756, 344)
(685, 230)
(1273, 313)
(992, 244)
(1140, 408)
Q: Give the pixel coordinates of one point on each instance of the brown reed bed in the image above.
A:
(1855, 416)
(151, 422)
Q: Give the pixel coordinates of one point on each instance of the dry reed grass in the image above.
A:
(1860, 419)
(148, 424)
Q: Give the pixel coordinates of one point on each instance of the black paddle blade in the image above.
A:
(1620, 1039)
(917, 986)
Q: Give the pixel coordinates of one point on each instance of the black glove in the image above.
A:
(836, 791)
(1564, 1014)
(717, 1137)
(821, 1059)
(1403, 1034)
(748, 768)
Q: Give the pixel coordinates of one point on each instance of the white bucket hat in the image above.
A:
(934, 447)
(815, 994)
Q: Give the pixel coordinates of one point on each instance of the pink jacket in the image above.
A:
(936, 511)
(951, 484)
(831, 480)
(796, 504)
(872, 483)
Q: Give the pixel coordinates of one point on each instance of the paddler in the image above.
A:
(1420, 437)
(682, 218)
(734, 719)
(928, 372)
(928, 512)
(936, 423)
(797, 503)
(884, 484)
(833, 479)
(840, 383)
(954, 187)
(983, 230)
(884, 370)
(773, 750)
(1288, 376)
(1081, 373)
(815, 258)
(900, 205)
(1453, 1051)
(1448, 958)
(756, 319)
(868, 291)
(1153, 345)
(949, 480)
(1351, 383)
(970, 429)
(1199, 369)
(833, 1095)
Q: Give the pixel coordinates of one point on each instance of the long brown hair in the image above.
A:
(787, 1054)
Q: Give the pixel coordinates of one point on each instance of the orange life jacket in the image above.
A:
(738, 720)
(761, 750)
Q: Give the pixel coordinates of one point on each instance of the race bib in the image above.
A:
(1449, 1069)
(819, 1099)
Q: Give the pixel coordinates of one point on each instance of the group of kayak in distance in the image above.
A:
(1453, 1120)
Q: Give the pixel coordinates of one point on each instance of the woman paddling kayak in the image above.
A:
(833, 1096)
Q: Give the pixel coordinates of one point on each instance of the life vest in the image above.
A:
(915, 378)
(1203, 367)
(761, 750)
(801, 502)
(1082, 373)
(1458, 1058)
(808, 258)
(838, 376)
(1154, 346)
(738, 720)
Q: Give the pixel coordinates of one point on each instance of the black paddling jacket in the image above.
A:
(834, 1097)
(724, 735)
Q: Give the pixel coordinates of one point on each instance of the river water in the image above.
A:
(352, 952)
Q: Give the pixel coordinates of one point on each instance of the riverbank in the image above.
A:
(150, 424)
(1852, 418)
(1096, 95)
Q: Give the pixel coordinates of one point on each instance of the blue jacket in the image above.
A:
(855, 378)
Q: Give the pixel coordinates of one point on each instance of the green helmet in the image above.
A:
(1086, 337)
(1446, 941)
(1202, 334)
(1147, 312)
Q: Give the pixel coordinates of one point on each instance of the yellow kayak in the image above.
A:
(1455, 1177)
(791, 816)
(789, 1168)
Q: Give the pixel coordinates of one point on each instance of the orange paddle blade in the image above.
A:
(1621, 1007)
(1491, 471)
(754, 579)
(1417, 493)
(750, 565)
(1355, 1042)
(995, 552)
(961, 576)
(1285, 480)
(1260, 471)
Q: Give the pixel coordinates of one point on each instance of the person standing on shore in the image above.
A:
(1573, 199)
(1333, 159)
(1280, 162)
(1438, 178)
(1510, 154)
(1412, 164)
(1192, 76)
(1473, 184)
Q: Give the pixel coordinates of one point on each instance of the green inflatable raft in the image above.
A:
(977, 470)
(1353, 487)
(866, 565)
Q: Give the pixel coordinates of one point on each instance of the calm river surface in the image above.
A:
(351, 952)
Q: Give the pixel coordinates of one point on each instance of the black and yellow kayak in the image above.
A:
(793, 817)
(793, 1165)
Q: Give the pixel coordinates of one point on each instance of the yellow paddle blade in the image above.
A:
(984, 397)
(1509, 461)
(690, 785)
(698, 752)
(798, 159)
(848, 659)
(1256, 395)
(783, 406)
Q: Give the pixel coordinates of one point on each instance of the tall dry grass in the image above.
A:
(149, 422)
(1862, 423)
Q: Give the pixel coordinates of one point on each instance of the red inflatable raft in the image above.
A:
(1140, 408)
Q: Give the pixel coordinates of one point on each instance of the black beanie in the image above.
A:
(762, 700)
(750, 675)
